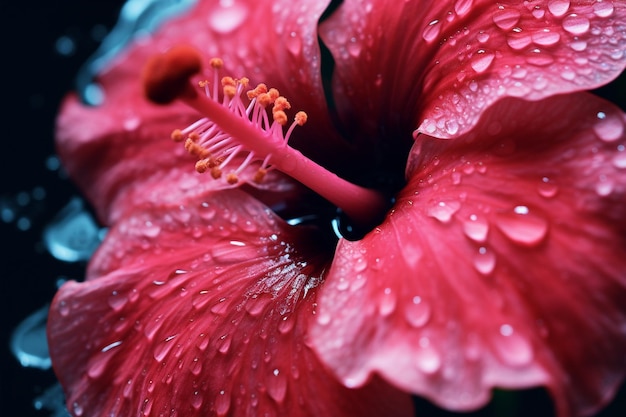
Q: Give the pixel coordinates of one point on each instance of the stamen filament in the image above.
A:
(228, 124)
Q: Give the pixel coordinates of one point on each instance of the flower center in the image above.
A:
(237, 140)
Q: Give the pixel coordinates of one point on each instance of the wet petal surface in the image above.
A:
(201, 311)
(502, 264)
(439, 66)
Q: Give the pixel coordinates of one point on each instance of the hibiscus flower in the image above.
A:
(499, 262)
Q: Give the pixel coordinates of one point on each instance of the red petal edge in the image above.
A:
(202, 311)
(502, 264)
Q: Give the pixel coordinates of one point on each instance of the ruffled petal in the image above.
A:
(125, 140)
(439, 65)
(202, 311)
(503, 263)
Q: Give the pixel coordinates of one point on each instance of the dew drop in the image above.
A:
(546, 37)
(476, 228)
(222, 403)
(485, 261)
(578, 45)
(609, 128)
(196, 400)
(506, 19)
(604, 187)
(517, 41)
(417, 312)
(64, 308)
(482, 36)
(538, 12)
(547, 188)
(603, 8)
(387, 302)
(541, 59)
(522, 226)
(619, 160)
(77, 409)
(73, 235)
(277, 386)
(163, 348)
(228, 16)
(443, 211)
(286, 324)
(427, 358)
(558, 7)
(512, 347)
(431, 31)
(461, 7)
(482, 60)
(117, 301)
(294, 43)
(576, 24)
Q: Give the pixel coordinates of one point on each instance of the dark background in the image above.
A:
(44, 44)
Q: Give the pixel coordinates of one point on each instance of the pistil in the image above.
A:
(232, 129)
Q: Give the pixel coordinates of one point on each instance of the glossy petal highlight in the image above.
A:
(502, 264)
(438, 66)
(202, 311)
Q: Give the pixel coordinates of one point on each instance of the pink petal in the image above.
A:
(112, 148)
(439, 65)
(503, 263)
(202, 311)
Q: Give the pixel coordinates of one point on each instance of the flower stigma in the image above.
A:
(237, 141)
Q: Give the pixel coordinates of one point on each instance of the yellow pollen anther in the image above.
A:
(202, 165)
(216, 172)
(177, 135)
(281, 103)
(230, 91)
(232, 178)
(194, 136)
(228, 81)
(274, 94)
(216, 63)
(203, 83)
(244, 81)
(259, 175)
(264, 100)
(280, 117)
(301, 118)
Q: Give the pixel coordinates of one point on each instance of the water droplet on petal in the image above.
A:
(387, 302)
(294, 43)
(609, 128)
(228, 16)
(546, 37)
(427, 358)
(523, 226)
(485, 261)
(476, 228)
(604, 187)
(576, 24)
(443, 211)
(482, 60)
(117, 301)
(506, 19)
(547, 188)
(558, 7)
(417, 312)
(277, 386)
(513, 348)
(603, 8)
(461, 7)
(431, 31)
(619, 160)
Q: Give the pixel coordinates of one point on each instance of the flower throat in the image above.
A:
(237, 142)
